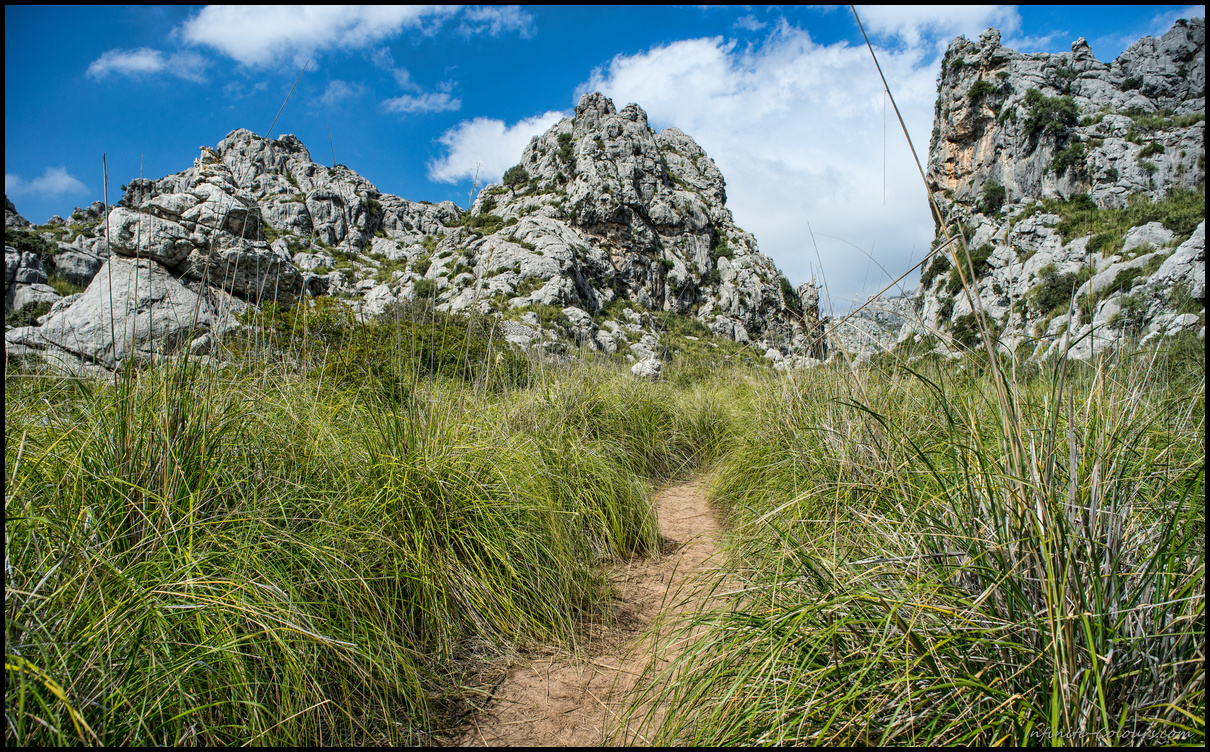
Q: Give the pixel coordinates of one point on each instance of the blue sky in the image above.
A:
(785, 99)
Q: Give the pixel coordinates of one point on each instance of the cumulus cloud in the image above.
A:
(146, 61)
(488, 141)
(235, 91)
(55, 182)
(437, 101)
(270, 34)
(797, 129)
(265, 34)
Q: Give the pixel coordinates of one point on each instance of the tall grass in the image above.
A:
(279, 552)
(904, 576)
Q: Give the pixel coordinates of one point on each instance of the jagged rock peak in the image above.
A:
(11, 217)
(648, 212)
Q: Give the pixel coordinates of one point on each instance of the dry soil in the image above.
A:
(575, 699)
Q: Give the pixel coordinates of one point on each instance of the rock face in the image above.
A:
(609, 216)
(602, 224)
(134, 308)
(1034, 158)
(11, 217)
(602, 209)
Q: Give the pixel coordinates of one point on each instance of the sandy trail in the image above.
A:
(569, 700)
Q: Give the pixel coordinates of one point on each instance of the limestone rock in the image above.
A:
(76, 265)
(613, 210)
(145, 235)
(649, 368)
(1012, 129)
(29, 269)
(153, 313)
(11, 217)
(33, 294)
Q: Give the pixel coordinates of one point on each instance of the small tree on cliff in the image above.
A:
(515, 176)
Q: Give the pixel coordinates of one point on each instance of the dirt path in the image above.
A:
(569, 700)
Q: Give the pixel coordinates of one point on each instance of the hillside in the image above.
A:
(603, 223)
(1079, 187)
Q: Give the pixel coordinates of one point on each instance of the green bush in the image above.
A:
(993, 196)
(424, 288)
(1071, 157)
(28, 314)
(980, 89)
(1150, 150)
(566, 153)
(26, 241)
(1049, 115)
(515, 176)
(979, 259)
(1052, 294)
(1180, 211)
(938, 266)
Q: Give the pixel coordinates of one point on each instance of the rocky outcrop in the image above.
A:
(603, 213)
(134, 308)
(11, 217)
(1076, 185)
(603, 223)
(1051, 126)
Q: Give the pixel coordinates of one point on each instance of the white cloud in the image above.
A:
(797, 129)
(915, 25)
(337, 92)
(145, 61)
(497, 20)
(55, 181)
(750, 23)
(438, 101)
(271, 34)
(489, 141)
(265, 34)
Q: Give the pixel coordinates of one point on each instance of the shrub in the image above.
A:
(1132, 310)
(28, 314)
(792, 301)
(26, 241)
(965, 331)
(719, 247)
(979, 90)
(1053, 115)
(1069, 158)
(566, 152)
(1150, 150)
(425, 288)
(938, 266)
(1052, 294)
(993, 197)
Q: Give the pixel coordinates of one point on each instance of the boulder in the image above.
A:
(76, 265)
(649, 368)
(134, 308)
